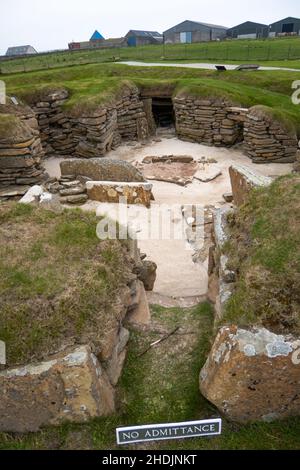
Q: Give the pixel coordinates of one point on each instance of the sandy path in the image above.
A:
(200, 66)
(177, 275)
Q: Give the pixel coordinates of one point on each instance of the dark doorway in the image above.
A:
(163, 112)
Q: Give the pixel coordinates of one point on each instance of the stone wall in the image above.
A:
(91, 133)
(243, 179)
(266, 139)
(20, 149)
(251, 373)
(208, 121)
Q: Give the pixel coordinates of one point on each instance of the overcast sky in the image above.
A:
(52, 24)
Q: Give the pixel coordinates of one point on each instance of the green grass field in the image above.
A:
(162, 386)
(91, 85)
(283, 52)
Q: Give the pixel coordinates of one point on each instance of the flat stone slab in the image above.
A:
(169, 171)
(115, 192)
(243, 179)
(13, 191)
(101, 169)
(208, 173)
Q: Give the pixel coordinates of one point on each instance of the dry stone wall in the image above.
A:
(208, 121)
(20, 149)
(266, 140)
(93, 133)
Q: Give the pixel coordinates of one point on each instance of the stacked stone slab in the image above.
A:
(96, 134)
(90, 133)
(20, 148)
(55, 126)
(132, 122)
(266, 139)
(208, 121)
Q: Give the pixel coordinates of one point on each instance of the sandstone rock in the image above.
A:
(12, 191)
(208, 173)
(147, 274)
(102, 170)
(32, 194)
(243, 179)
(74, 199)
(107, 191)
(72, 191)
(115, 364)
(228, 197)
(140, 311)
(253, 374)
(71, 386)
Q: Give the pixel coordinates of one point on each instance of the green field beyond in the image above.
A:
(284, 52)
(92, 85)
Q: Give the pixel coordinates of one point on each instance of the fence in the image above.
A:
(235, 51)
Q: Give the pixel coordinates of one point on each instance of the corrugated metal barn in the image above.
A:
(193, 31)
(20, 50)
(287, 27)
(143, 38)
(248, 30)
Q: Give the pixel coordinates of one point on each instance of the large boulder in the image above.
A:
(70, 386)
(104, 169)
(253, 374)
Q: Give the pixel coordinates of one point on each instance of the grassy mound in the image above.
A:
(93, 85)
(59, 283)
(265, 252)
(12, 129)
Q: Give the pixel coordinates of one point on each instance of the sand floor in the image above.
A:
(177, 275)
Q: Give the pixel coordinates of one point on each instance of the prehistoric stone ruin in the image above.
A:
(20, 149)
(266, 139)
(251, 374)
(79, 383)
(49, 127)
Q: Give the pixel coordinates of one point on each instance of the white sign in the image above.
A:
(2, 92)
(160, 432)
(2, 353)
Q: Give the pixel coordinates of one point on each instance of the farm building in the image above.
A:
(286, 27)
(143, 38)
(20, 50)
(98, 44)
(97, 36)
(248, 30)
(193, 31)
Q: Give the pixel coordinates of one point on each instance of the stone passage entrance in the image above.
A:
(163, 112)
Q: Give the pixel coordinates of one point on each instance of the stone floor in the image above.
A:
(177, 275)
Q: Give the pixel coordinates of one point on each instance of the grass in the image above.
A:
(265, 252)
(92, 85)
(58, 281)
(279, 52)
(162, 386)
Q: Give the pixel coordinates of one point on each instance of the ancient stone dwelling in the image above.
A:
(44, 127)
